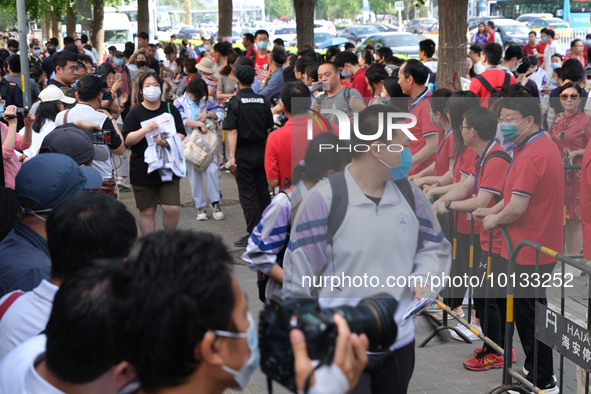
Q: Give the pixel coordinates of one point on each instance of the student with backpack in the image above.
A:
(483, 189)
(369, 222)
(268, 241)
(493, 81)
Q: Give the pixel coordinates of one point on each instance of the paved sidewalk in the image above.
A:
(438, 366)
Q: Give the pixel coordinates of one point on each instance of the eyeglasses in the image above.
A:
(567, 96)
(508, 120)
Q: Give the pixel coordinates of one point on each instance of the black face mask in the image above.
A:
(141, 63)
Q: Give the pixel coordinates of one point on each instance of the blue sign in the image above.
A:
(580, 19)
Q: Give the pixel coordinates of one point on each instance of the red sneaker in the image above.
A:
(483, 363)
(513, 356)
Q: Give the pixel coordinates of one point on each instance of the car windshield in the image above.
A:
(401, 41)
(321, 37)
(516, 30)
(286, 30)
(366, 30)
(116, 36)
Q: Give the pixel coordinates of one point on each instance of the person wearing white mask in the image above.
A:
(149, 189)
(552, 48)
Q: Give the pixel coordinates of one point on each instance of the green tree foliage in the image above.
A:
(330, 10)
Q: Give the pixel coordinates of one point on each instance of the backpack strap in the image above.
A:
(406, 190)
(338, 205)
(507, 81)
(485, 84)
(66, 116)
(8, 302)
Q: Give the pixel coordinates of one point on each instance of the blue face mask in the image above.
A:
(545, 39)
(588, 42)
(36, 52)
(433, 119)
(555, 66)
(401, 171)
(263, 44)
(75, 86)
(553, 81)
(509, 130)
(118, 61)
(243, 375)
(1, 109)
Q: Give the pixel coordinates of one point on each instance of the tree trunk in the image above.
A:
(453, 15)
(46, 30)
(225, 20)
(304, 10)
(187, 16)
(56, 27)
(70, 19)
(143, 16)
(98, 31)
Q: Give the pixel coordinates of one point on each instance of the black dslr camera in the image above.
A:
(372, 316)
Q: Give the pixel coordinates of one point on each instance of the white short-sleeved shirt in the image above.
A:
(26, 317)
(17, 370)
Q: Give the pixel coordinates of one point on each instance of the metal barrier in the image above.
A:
(565, 36)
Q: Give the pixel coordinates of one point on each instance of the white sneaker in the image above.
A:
(464, 330)
(217, 211)
(202, 214)
(121, 182)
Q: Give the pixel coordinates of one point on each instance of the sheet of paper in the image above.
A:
(165, 126)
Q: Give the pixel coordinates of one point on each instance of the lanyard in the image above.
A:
(522, 149)
(480, 161)
(442, 142)
(421, 98)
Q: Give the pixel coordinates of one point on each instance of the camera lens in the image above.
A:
(375, 318)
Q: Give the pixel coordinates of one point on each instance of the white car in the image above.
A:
(287, 33)
(325, 26)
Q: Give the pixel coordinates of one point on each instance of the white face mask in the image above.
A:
(152, 93)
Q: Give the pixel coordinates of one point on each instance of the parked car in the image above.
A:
(383, 27)
(322, 25)
(474, 22)
(287, 33)
(400, 43)
(525, 18)
(355, 34)
(188, 32)
(549, 23)
(419, 25)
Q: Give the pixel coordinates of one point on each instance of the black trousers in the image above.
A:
(490, 301)
(253, 190)
(525, 315)
(388, 373)
(455, 294)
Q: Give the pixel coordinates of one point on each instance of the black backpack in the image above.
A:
(12, 95)
(340, 202)
(494, 93)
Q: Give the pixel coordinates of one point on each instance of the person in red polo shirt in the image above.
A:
(287, 145)
(412, 78)
(494, 76)
(348, 65)
(586, 200)
(533, 48)
(532, 209)
(576, 51)
(485, 187)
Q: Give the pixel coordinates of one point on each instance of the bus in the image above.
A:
(159, 18)
(514, 8)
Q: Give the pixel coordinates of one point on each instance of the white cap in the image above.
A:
(53, 93)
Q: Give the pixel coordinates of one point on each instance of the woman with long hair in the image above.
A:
(51, 101)
(149, 189)
(196, 106)
(225, 57)
(268, 241)
(480, 37)
(375, 75)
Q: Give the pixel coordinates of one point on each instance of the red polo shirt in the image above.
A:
(495, 77)
(287, 145)
(491, 178)
(464, 165)
(444, 153)
(537, 173)
(420, 108)
(586, 200)
(358, 82)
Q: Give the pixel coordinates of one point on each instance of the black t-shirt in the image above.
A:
(250, 114)
(154, 65)
(138, 169)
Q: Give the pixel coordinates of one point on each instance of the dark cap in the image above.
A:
(49, 178)
(74, 142)
(245, 74)
(118, 54)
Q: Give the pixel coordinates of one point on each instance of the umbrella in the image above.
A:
(331, 42)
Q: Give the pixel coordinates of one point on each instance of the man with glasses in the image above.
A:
(576, 48)
(531, 209)
(65, 65)
(35, 58)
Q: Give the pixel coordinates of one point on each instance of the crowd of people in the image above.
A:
(71, 268)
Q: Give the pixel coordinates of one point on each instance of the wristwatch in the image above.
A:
(447, 205)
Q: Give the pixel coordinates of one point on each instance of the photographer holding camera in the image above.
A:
(370, 222)
(89, 96)
(185, 325)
